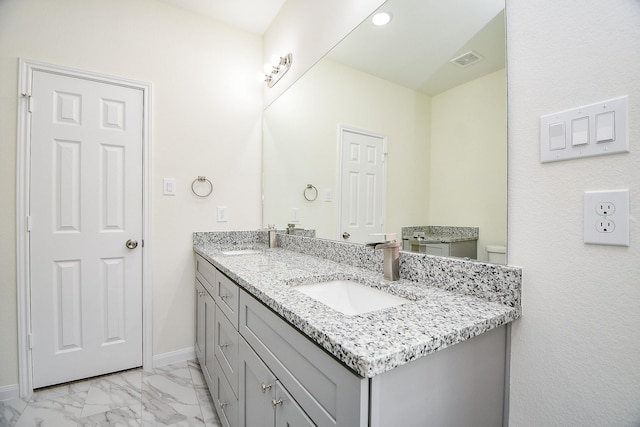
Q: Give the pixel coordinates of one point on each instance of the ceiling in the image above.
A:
(415, 48)
(253, 16)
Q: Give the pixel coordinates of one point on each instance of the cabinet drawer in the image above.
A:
(227, 297)
(206, 273)
(224, 400)
(226, 348)
(328, 392)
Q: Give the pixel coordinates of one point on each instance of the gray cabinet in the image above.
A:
(262, 371)
(226, 348)
(263, 400)
(329, 393)
(205, 330)
(200, 322)
(225, 401)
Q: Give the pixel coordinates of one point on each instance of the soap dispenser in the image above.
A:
(271, 230)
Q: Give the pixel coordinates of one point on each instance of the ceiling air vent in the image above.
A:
(467, 59)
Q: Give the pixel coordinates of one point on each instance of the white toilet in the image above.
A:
(497, 254)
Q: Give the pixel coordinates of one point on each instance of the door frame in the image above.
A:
(23, 173)
(385, 151)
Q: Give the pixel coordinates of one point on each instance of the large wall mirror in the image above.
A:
(429, 131)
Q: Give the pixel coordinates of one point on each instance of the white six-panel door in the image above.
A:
(86, 203)
(362, 186)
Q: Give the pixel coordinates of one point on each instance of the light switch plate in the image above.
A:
(606, 217)
(222, 214)
(591, 130)
(169, 186)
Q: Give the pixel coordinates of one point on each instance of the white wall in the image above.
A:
(206, 121)
(576, 349)
(469, 159)
(301, 145)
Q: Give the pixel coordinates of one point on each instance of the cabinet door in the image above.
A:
(288, 412)
(227, 297)
(224, 400)
(226, 348)
(200, 322)
(257, 390)
(206, 274)
(209, 321)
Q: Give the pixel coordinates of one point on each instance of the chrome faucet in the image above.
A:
(391, 253)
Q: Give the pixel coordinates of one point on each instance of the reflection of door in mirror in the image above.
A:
(362, 197)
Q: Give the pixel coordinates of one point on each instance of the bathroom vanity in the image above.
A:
(271, 353)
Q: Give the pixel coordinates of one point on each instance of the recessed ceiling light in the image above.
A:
(381, 18)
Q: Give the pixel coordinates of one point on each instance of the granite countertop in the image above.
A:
(370, 343)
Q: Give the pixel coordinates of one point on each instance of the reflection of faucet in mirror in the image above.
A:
(391, 253)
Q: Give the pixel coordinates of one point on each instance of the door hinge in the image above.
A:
(29, 101)
(28, 223)
(30, 340)
(143, 243)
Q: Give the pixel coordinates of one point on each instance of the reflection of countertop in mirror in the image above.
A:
(378, 341)
(440, 234)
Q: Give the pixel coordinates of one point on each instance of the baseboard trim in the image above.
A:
(8, 392)
(182, 355)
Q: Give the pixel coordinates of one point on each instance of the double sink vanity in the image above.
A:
(309, 333)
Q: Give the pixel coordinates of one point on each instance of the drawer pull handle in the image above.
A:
(222, 404)
(225, 345)
(222, 296)
(276, 402)
(201, 293)
(264, 387)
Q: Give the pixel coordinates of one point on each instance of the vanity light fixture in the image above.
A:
(278, 68)
(381, 18)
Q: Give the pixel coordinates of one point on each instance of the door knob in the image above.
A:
(346, 235)
(131, 244)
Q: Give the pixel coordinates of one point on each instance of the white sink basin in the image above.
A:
(349, 297)
(242, 252)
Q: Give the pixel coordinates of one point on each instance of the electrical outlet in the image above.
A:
(605, 208)
(605, 226)
(606, 217)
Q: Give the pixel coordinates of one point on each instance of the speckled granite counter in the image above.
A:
(378, 341)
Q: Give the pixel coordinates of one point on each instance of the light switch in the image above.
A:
(580, 131)
(597, 129)
(222, 214)
(169, 187)
(557, 136)
(605, 127)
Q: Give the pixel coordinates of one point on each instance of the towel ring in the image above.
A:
(310, 195)
(201, 179)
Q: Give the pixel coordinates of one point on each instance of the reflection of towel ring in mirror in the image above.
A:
(201, 179)
(310, 193)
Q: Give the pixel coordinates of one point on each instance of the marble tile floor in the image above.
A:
(172, 395)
